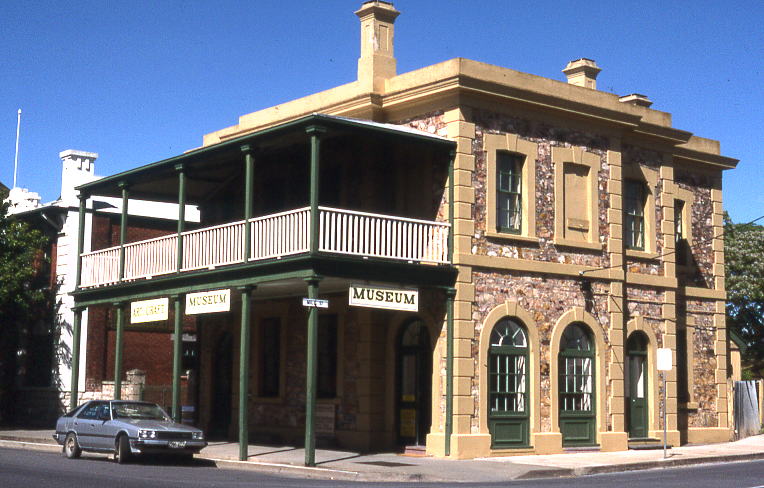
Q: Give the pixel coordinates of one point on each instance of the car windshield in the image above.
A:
(139, 411)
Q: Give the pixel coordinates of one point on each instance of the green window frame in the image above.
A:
(576, 375)
(509, 197)
(508, 368)
(634, 199)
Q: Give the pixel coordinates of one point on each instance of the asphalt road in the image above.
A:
(35, 469)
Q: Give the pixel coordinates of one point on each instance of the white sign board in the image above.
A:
(664, 359)
(315, 302)
(384, 297)
(208, 302)
(149, 310)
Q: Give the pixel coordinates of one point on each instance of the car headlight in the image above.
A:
(147, 434)
(197, 436)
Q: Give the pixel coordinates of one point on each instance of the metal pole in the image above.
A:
(315, 146)
(664, 414)
(123, 231)
(16, 158)
(80, 238)
(311, 376)
(249, 165)
(181, 214)
(76, 332)
(177, 352)
(118, 352)
(244, 374)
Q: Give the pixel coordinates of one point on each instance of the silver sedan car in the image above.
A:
(125, 428)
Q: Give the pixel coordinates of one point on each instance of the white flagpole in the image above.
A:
(16, 159)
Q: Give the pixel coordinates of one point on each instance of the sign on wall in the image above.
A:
(664, 359)
(384, 297)
(208, 302)
(149, 310)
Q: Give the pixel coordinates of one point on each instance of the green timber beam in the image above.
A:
(180, 168)
(249, 168)
(80, 238)
(448, 427)
(123, 230)
(118, 351)
(311, 375)
(177, 352)
(246, 297)
(315, 133)
(76, 334)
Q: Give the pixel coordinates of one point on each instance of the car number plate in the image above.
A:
(177, 444)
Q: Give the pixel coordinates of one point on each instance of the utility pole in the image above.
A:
(16, 159)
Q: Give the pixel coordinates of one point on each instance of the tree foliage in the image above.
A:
(744, 260)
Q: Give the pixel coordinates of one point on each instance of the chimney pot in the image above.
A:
(582, 72)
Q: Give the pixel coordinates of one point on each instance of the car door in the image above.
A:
(85, 426)
(108, 427)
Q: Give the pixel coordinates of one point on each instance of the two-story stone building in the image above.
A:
(554, 237)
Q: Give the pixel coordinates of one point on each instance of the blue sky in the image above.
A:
(140, 81)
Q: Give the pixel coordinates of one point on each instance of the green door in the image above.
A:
(636, 385)
(414, 378)
(576, 387)
(508, 384)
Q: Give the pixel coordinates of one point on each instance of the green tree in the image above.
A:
(744, 258)
(24, 294)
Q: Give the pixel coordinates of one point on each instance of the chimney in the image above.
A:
(78, 169)
(636, 99)
(582, 72)
(377, 62)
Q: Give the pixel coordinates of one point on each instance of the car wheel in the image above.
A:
(122, 449)
(71, 446)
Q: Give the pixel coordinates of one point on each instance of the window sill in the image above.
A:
(511, 237)
(591, 246)
(636, 253)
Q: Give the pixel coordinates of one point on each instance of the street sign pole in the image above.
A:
(663, 373)
(665, 363)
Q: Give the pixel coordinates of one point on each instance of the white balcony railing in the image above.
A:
(273, 236)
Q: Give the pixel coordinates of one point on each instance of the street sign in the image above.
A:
(315, 302)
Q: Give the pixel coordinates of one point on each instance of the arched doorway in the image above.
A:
(577, 386)
(413, 383)
(508, 408)
(636, 385)
(222, 387)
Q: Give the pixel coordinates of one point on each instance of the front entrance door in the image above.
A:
(413, 385)
(222, 386)
(636, 385)
(576, 387)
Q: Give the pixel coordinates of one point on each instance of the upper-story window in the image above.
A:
(634, 214)
(510, 187)
(683, 200)
(509, 192)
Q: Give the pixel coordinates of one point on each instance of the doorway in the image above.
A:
(414, 369)
(222, 387)
(636, 385)
(577, 386)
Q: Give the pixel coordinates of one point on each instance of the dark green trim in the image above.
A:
(80, 238)
(118, 351)
(734, 337)
(253, 273)
(123, 230)
(181, 214)
(315, 133)
(249, 171)
(328, 121)
(311, 375)
(76, 334)
(450, 294)
(246, 294)
(177, 352)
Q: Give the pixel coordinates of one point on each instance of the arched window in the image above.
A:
(576, 385)
(508, 385)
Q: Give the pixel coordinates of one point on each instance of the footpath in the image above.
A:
(346, 465)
